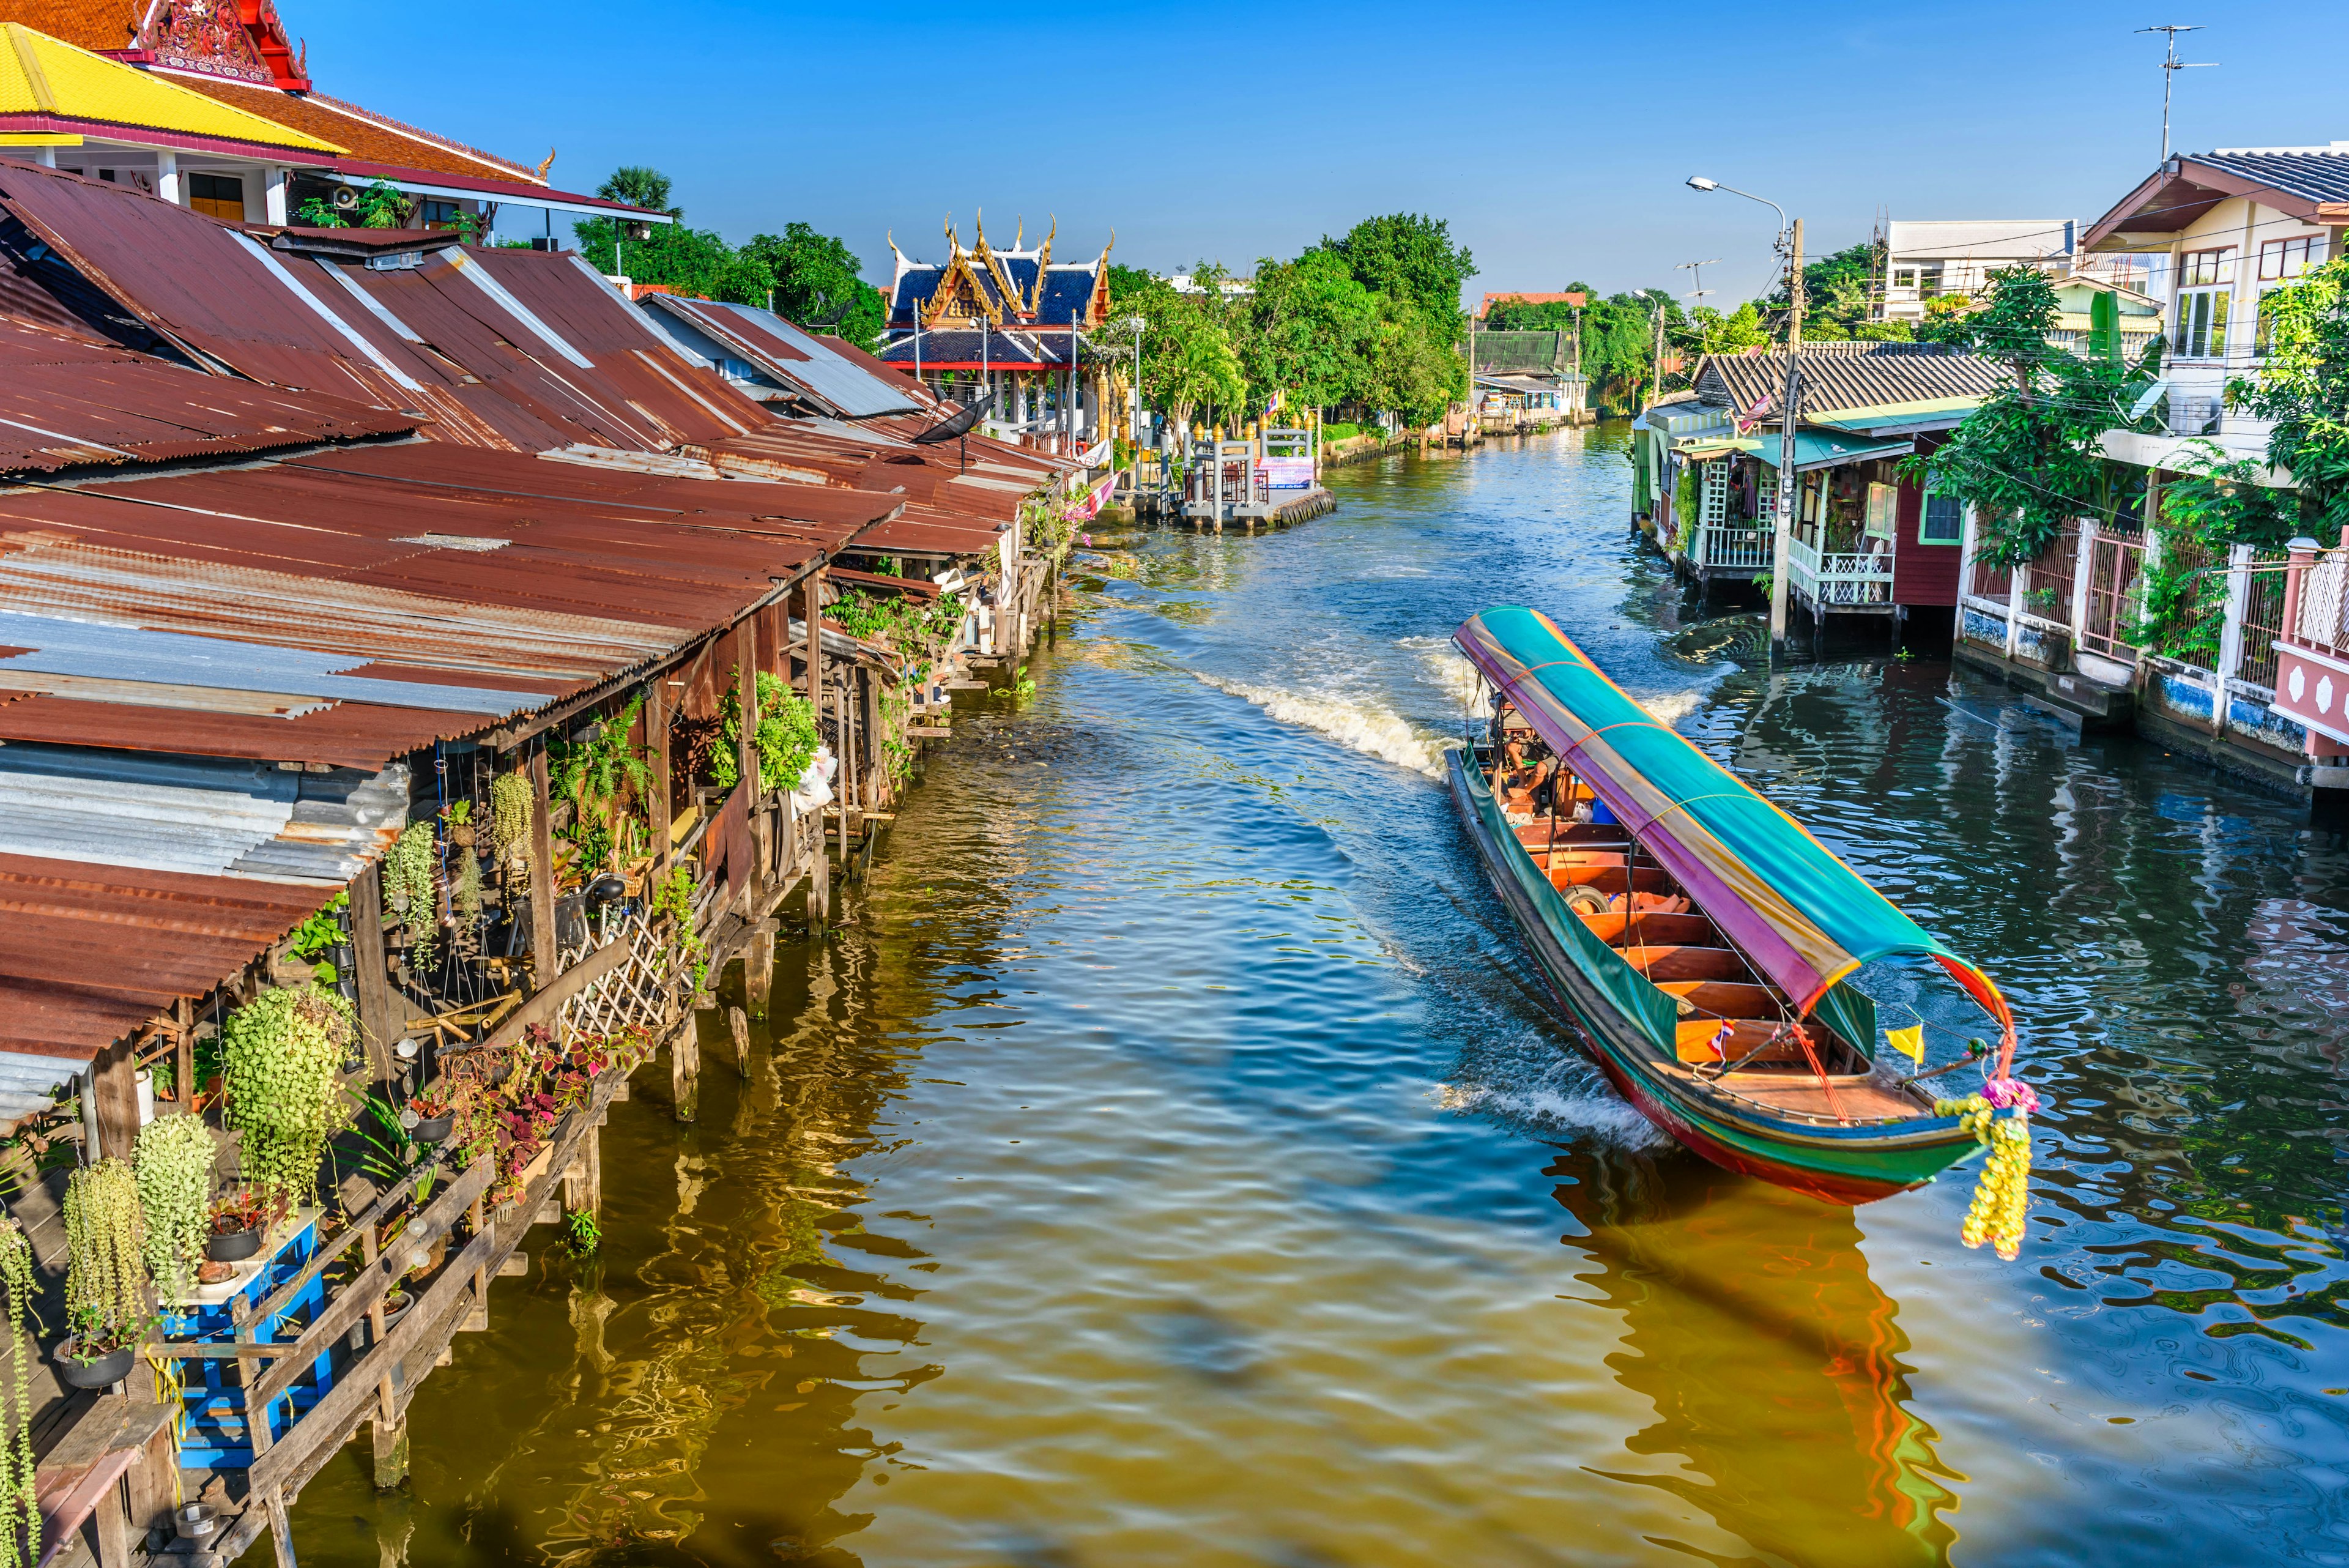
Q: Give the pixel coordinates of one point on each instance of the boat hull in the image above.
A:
(1834, 1163)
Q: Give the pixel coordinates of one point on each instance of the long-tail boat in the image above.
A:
(1697, 939)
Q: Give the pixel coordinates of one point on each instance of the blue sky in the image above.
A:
(1555, 140)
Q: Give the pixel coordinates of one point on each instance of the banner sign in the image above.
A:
(1287, 472)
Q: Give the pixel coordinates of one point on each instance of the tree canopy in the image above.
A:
(1407, 255)
(817, 283)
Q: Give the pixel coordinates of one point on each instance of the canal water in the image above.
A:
(1161, 1165)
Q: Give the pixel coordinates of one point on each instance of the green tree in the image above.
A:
(817, 283)
(1838, 292)
(2030, 459)
(1309, 326)
(2303, 386)
(1190, 368)
(639, 187)
(1407, 255)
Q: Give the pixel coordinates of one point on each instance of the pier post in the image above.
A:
(391, 1453)
(738, 1028)
(684, 1068)
(759, 972)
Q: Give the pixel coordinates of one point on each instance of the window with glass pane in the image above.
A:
(2201, 329)
(2204, 268)
(2282, 260)
(1943, 520)
(218, 195)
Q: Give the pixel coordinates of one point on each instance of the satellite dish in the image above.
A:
(959, 425)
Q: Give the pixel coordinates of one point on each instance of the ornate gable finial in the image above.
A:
(544, 165)
(1021, 237)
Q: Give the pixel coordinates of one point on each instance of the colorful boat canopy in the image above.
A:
(1801, 916)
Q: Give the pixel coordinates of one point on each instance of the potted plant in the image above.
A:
(436, 1112)
(238, 1221)
(107, 1310)
(173, 1163)
(457, 817)
(282, 1066)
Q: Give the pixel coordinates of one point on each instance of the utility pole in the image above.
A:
(2170, 65)
(1788, 488)
(1656, 365)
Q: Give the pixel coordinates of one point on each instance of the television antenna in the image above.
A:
(2170, 65)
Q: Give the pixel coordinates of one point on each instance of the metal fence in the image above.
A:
(2048, 580)
(2112, 597)
(1992, 583)
(2262, 618)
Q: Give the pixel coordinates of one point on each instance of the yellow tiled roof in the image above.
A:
(40, 75)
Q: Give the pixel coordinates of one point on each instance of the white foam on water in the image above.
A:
(1546, 1112)
(1673, 709)
(1448, 670)
(1359, 726)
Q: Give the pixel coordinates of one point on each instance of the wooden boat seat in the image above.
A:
(1696, 1036)
(1607, 878)
(1578, 834)
(1663, 963)
(1724, 998)
(1667, 930)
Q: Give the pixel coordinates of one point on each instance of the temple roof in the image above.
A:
(46, 78)
(1019, 286)
(366, 135)
(944, 348)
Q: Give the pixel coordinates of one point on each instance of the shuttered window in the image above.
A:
(218, 195)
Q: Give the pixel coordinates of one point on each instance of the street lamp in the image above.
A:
(1790, 233)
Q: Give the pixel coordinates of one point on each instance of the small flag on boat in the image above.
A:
(1909, 1041)
(1721, 1039)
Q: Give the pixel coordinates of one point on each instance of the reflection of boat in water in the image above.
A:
(1697, 938)
(1773, 1360)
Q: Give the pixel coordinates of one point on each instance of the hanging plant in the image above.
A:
(673, 914)
(317, 938)
(510, 820)
(282, 1064)
(20, 1512)
(173, 1160)
(409, 887)
(786, 739)
(106, 1264)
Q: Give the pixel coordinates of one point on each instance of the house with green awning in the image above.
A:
(1864, 541)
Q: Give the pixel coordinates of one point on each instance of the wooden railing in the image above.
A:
(1840, 576)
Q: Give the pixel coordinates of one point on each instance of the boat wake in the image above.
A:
(1359, 726)
(1549, 1110)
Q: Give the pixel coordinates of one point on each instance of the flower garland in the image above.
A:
(20, 1509)
(2003, 1196)
(173, 1161)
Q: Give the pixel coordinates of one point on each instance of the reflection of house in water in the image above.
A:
(1772, 1358)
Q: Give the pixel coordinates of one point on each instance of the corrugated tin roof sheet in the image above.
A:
(1849, 378)
(66, 402)
(505, 348)
(788, 354)
(89, 952)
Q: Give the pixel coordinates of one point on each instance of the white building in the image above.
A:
(1926, 258)
(2226, 227)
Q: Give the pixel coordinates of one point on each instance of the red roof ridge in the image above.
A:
(519, 170)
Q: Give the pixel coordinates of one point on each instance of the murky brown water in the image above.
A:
(1161, 1167)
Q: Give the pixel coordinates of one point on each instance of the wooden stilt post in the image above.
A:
(685, 1069)
(746, 745)
(656, 718)
(811, 655)
(590, 1161)
(759, 972)
(391, 1432)
(382, 1020)
(542, 872)
(738, 1028)
(183, 1055)
(114, 1092)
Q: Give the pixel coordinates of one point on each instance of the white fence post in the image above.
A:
(2083, 573)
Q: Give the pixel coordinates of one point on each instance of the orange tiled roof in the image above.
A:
(84, 24)
(372, 137)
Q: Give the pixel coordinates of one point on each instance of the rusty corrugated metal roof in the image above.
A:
(67, 403)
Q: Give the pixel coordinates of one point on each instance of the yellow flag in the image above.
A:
(1910, 1040)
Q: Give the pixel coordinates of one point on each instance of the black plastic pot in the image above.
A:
(433, 1129)
(233, 1246)
(107, 1370)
